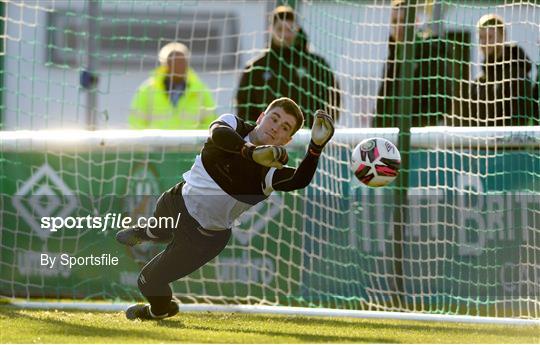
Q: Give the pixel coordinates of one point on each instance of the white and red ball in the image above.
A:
(375, 162)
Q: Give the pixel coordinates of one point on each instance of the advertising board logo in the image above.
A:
(44, 194)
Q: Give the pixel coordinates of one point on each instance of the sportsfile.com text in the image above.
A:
(108, 221)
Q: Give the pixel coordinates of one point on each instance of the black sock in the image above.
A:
(159, 305)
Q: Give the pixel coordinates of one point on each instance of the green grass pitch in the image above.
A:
(52, 326)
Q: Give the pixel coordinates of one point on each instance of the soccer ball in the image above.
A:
(375, 162)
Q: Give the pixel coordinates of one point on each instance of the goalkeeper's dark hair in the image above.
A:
(291, 108)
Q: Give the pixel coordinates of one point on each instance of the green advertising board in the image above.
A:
(86, 184)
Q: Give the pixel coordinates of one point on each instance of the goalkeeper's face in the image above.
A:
(275, 127)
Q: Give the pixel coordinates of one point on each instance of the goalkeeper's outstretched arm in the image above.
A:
(227, 139)
(288, 179)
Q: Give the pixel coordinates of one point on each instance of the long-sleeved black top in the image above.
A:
(242, 178)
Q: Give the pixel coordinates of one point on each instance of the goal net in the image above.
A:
(457, 233)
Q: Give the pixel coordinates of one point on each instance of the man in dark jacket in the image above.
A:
(431, 90)
(503, 94)
(287, 69)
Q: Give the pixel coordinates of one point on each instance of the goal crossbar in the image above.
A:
(192, 140)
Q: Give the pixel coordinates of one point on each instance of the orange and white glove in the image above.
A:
(271, 156)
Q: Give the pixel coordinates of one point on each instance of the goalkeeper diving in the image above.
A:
(239, 166)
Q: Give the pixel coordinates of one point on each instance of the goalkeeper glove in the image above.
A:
(266, 155)
(321, 132)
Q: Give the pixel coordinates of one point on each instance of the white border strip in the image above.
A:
(256, 309)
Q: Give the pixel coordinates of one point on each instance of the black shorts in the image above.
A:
(191, 246)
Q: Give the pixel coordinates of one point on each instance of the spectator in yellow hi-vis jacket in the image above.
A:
(173, 97)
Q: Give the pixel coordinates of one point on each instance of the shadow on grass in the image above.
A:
(499, 330)
(96, 333)
(93, 332)
(220, 323)
(301, 337)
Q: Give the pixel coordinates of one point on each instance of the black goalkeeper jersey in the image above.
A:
(239, 177)
(222, 184)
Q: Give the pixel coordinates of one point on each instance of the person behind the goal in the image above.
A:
(239, 166)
